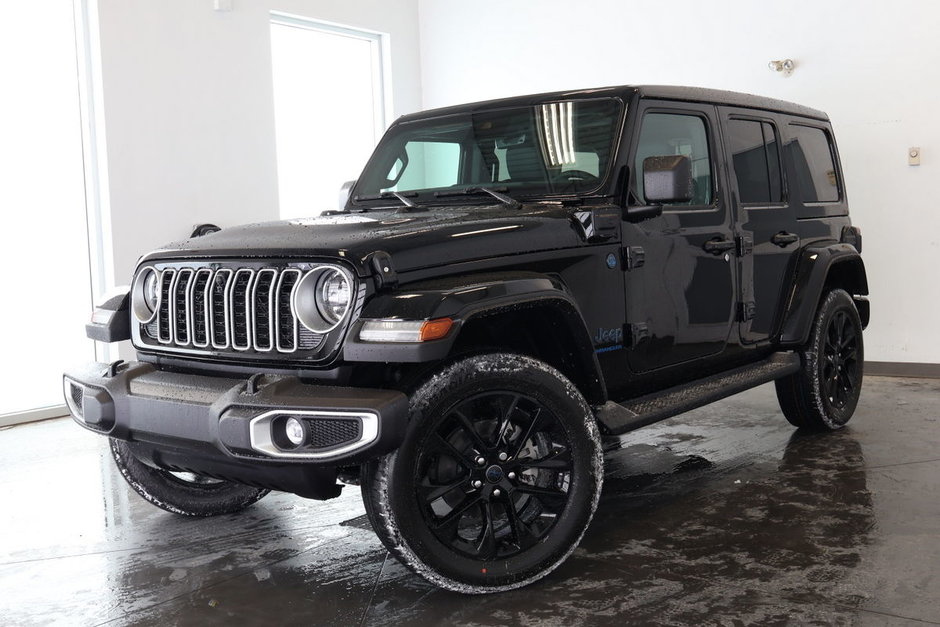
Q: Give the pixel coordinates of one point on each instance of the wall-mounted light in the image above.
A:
(786, 66)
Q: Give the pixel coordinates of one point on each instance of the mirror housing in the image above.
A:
(639, 213)
(667, 180)
(344, 192)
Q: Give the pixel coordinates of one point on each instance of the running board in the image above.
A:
(638, 412)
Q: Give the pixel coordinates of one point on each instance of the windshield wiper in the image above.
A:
(409, 204)
(495, 193)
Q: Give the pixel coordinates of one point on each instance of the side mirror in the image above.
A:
(667, 180)
(344, 192)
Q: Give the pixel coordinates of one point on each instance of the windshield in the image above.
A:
(554, 148)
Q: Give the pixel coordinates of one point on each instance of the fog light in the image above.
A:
(294, 430)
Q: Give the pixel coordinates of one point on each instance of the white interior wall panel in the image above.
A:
(189, 110)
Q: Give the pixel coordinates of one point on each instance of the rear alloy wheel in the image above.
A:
(497, 480)
(824, 394)
(183, 493)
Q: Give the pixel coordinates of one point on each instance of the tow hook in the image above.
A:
(113, 368)
(251, 386)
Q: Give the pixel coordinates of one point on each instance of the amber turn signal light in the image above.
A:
(435, 329)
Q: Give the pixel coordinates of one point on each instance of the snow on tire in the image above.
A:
(182, 493)
(497, 479)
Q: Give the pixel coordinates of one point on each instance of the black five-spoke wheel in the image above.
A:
(497, 479)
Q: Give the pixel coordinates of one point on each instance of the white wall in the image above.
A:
(872, 66)
(189, 109)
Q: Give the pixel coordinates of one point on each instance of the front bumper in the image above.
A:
(231, 428)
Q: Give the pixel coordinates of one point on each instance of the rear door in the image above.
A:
(767, 226)
(680, 282)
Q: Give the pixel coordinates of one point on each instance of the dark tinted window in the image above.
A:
(756, 161)
(668, 134)
(813, 166)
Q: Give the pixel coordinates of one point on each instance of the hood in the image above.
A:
(418, 239)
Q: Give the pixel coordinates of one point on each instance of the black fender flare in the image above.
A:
(816, 267)
(467, 299)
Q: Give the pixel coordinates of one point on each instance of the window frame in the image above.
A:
(381, 59)
(784, 181)
(658, 107)
(836, 169)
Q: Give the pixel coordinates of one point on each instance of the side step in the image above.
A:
(645, 410)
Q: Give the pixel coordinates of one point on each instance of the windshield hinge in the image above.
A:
(383, 270)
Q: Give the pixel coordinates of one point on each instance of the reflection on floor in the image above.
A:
(721, 516)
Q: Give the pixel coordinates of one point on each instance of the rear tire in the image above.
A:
(823, 395)
(185, 494)
(497, 479)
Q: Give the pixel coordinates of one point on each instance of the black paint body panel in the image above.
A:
(639, 301)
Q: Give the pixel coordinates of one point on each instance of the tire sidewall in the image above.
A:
(834, 302)
(174, 495)
(512, 373)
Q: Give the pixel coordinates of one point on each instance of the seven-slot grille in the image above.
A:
(235, 309)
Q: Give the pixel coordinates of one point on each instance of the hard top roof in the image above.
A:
(666, 92)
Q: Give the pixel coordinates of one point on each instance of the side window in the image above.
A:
(676, 134)
(814, 169)
(756, 161)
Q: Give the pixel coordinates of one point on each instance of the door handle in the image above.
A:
(784, 239)
(717, 246)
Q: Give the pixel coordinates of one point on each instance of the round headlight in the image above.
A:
(322, 298)
(150, 291)
(146, 295)
(333, 296)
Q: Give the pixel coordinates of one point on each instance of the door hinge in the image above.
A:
(744, 245)
(636, 333)
(633, 257)
(746, 311)
(597, 224)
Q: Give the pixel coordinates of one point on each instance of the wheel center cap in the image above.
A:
(494, 474)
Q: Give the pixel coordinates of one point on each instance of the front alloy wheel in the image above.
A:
(497, 480)
(493, 477)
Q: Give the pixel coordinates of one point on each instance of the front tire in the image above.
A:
(498, 477)
(823, 395)
(185, 494)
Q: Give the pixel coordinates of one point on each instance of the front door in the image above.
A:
(766, 221)
(681, 281)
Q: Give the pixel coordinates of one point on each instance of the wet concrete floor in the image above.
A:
(722, 516)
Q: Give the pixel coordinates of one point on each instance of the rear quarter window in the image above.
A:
(814, 169)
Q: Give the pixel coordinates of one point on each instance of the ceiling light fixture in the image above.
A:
(785, 66)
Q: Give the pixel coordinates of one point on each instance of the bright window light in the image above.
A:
(329, 105)
(44, 256)
(557, 132)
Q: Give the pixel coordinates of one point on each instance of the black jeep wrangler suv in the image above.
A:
(506, 283)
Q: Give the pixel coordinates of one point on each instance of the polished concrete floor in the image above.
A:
(723, 516)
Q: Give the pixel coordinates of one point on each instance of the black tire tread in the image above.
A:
(160, 489)
(799, 394)
(376, 475)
